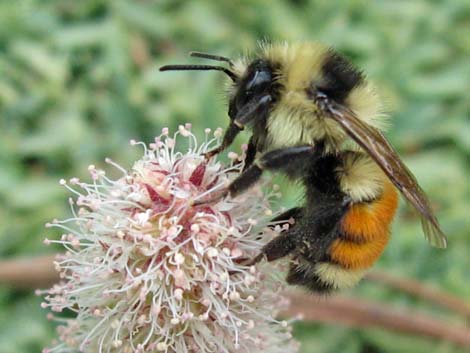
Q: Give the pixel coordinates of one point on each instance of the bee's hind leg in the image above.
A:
(283, 244)
(285, 217)
(277, 248)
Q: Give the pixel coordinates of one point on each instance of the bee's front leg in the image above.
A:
(229, 136)
(250, 154)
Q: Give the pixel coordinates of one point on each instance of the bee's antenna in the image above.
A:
(211, 57)
(228, 72)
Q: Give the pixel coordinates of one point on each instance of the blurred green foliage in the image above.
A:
(78, 79)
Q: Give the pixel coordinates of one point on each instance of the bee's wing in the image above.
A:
(376, 145)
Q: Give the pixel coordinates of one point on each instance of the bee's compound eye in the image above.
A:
(260, 79)
(255, 84)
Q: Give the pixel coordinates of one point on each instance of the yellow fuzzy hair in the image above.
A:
(360, 177)
(295, 118)
(332, 274)
(338, 277)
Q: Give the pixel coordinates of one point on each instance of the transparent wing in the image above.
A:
(377, 146)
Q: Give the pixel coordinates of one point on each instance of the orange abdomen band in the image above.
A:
(366, 229)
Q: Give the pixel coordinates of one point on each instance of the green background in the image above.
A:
(78, 79)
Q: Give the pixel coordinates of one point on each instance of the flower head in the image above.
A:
(147, 271)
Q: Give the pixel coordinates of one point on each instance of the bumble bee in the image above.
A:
(315, 117)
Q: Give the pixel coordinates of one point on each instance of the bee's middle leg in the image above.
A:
(289, 160)
(285, 159)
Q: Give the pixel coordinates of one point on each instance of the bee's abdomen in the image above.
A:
(364, 233)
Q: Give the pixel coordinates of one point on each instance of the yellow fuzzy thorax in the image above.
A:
(296, 119)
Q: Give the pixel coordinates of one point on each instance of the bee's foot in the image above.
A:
(208, 155)
(256, 259)
(212, 199)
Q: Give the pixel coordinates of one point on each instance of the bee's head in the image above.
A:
(254, 88)
(253, 93)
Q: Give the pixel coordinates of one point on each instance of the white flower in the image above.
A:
(146, 271)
